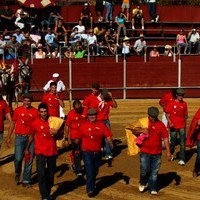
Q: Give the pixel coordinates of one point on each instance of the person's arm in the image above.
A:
(166, 142)
(110, 141)
(30, 140)
(113, 100)
(10, 132)
(61, 102)
(169, 121)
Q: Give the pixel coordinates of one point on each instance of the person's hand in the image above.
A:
(53, 131)
(169, 156)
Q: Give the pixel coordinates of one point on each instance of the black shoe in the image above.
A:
(17, 177)
(90, 194)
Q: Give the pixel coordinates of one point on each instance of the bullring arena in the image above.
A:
(119, 181)
(136, 84)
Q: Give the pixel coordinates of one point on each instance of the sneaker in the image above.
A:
(133, 27)
(157, 18)
(181, 162)
(142, 188)
(172, 158)
(79, 174)
(117, 44)
(152, 21)
(154, 192)
(109, 157)
(142, 27)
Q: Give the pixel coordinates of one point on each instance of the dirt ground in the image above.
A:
(117, 181)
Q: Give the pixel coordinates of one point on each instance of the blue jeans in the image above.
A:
(108, 11)
(46, 166)
(1, 138)
(20, 145)
(149, 167)
(92, 162)
(197, 162)
(107, 148)
(152, 10)
(76, 152)
(173, 141)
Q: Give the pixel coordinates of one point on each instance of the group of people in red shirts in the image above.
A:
(35, 135)
(90, 136)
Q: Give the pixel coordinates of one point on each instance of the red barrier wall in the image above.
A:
(110, 75)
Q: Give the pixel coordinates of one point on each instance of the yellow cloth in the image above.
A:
(55, 122)
(137, 12)
(142, 123)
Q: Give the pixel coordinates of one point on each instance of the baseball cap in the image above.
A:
(180, 91)
(153, 112)
(55, 75)
(92, 111)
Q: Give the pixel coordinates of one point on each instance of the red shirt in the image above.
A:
(45, 144)
(23, 117)
(74, 121)
(91, 101)
(52, 104)
(4, 109)
(103, 114)
(153, 144)
(177, 112)
(92, 134)
(166, 99)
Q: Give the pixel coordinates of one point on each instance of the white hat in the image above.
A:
(55, 75)
(85, 4)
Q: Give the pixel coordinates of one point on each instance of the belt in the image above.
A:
(22, 135)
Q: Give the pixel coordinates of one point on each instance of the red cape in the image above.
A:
(193, 130)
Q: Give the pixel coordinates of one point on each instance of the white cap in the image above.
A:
(55, 75)
(85, 4)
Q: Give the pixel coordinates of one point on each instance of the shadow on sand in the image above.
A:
(166, 179)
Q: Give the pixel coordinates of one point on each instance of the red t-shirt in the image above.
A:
(103, 113)
(177, 112)
(52, 103)
(92, 134)
(166, 99)
(23, 117)
(4, 109)
(91, 101)
(74, 121)
(45, 144)
(153, 144)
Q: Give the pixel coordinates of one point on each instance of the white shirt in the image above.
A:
(139, 45)
(81, 29)
(60, 86)
(194, 37)
(92, 39)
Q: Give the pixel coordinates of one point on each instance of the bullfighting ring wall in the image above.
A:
(132, 78)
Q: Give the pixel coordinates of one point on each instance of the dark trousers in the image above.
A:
(92, 162)
(152, 10)
(46, 166)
